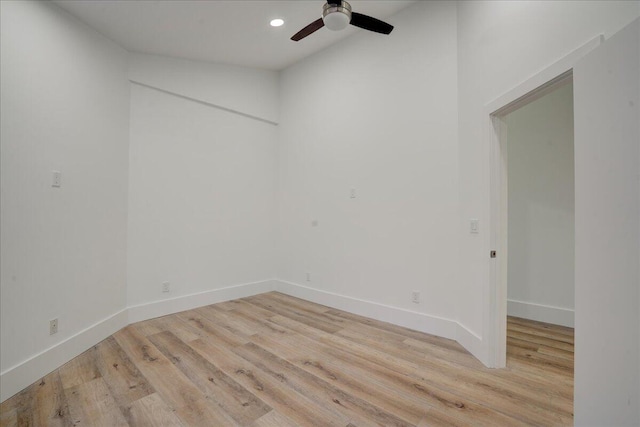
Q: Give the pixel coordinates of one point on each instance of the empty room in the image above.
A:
(310, 213)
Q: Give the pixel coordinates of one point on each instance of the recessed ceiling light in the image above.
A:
(276, 22)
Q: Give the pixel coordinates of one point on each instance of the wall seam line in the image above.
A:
(208, 104)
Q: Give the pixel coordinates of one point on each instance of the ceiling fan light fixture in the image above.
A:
(336, 17)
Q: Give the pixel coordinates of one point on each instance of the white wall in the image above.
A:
(202, 182)
(500, 45)
(541, 209)
(65, 107)
(377, 114)
(607, 148)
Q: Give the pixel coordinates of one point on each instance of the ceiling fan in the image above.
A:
(336, 15)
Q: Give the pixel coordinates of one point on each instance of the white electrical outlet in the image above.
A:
(53, 326)
(415, 297)
(166, 287)
(474, 226)
(308, 277)
(352, 193)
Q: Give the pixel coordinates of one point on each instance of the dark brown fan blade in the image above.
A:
(309, 29)
(369, 23)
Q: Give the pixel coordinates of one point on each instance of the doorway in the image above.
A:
(540, 212)
(547, 81)
(533, 219)
(540, 234)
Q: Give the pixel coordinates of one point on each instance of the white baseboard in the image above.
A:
(541, 313)
(472, 343)
(26, 373)
(409, 319)
(154, 309)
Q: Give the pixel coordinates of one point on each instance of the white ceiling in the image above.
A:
(233, 32)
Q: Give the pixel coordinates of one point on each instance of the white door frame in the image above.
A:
(495, 304)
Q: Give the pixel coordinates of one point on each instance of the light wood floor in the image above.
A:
(274, 360)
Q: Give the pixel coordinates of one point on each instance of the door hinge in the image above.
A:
(493, 254)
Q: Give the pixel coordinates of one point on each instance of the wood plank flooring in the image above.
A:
(274, 360)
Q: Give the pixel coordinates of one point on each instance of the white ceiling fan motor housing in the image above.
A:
(336, 17)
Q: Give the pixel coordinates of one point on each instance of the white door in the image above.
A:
(607, 232)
